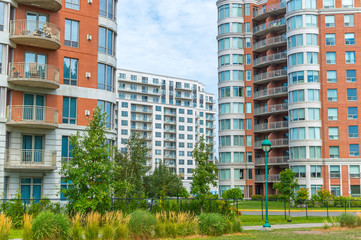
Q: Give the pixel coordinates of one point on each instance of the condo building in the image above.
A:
(170, 113)
(57, 64)
(288, 73)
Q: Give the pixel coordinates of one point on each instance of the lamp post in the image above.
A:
(266, 147)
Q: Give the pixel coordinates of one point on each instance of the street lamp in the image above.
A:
(266, 147)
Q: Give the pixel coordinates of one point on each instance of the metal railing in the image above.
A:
(270, 91)
(271, 108)
(269, 25)
(141, 110)
(33, 28)
(271, 178)
(275, 142)
(31, 113)
(269, 8)
(33, 71)
(271, 125)
(271, 74)
(269, 41)
(270, 58)
(272, 160)
(29, 157)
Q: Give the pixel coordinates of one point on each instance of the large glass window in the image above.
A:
(313, 95)
(313, 114)
(349, 39)
(237, 43)
(352, 113)
(334, 152)
(330, 21)
(237, 27)
(225, 76)
(311, 4)
(330, 39)
(69, 110)
(2, 16)
(328, 4)
(105, 77)
(73, 4)
(223, 28)
(315, 152)
(108, 109)
(294, 5)
(316, 171)
(295, 59)
(347, 3)
(225, 174)
(300, 171)
(295, 41)
(312, 58)
(297, 114)
(223, 11)
(332, 95)
(331, 76)
(294, 22)
(297, 133)
(353, 131)
(312, 76)
(311, 39)
(354, 171)
(106, 41)
(224, 60)
(330, 57)
(350, 57)
(298, 152)
(107, 8)
(247, 9)
(332, 114)
(348, 20)
(352, 94)
(70, 71)
(334, 171)
(31, 188)
(223, 44)
(350, 75)
(236, 10)
(297, 77)
(314, 133)
(297, 96)
(66, 149)
(311, 20)
(71, 33)
(354, 150)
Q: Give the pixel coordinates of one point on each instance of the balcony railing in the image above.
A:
(271, 126)
(267, 43)
(269, 26)
(280, 73)
(271, 178)
(272, 160)
(268, 92)
(268, 9)
(141, 110)
(35, 159)
(32, 116)
(269, 59)
(281, 142)
(34, 75)
(271, 109)
(52, 5)
(141, 128)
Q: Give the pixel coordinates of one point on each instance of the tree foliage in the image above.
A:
(302, 195)
(206, 172)
(90, 170)
(234, 193)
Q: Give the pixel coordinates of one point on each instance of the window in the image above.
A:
(349, 39)
(238, 108)
(248, 59)
(108, 109)
(223, 11)
(295, 59)
(237, 43)
(248, 141)
(334, 171)
(247, 9)
(225, 157)
(354, 150)
(331, 76)
(248, 75)
(313, 95)
(249, 174)
(106, 41)
(300, 171)
(238, 124)
(335, 190)
(224, 44)
(298, 152)
(328, 4)
(354, 171)
(297, 96)
(249, 156)
(332, 114)
(297, 133)
(224, 76)
(237, 27)
(316, 171)
(238, 157)
(355, 190)
(295, 41)
(70, 71)
(315, 189)
(225, 174)
(31, 188)
(294, 5)
(314, 133)
(333, 133)
(237, 91)
(313, 114)
(225, 141)
(315, 152)
(351, 94)
(69, 110)
(352, 113)
(297, 77)
(311, 4)
(297, 114)
(248, 43)
(350, 75)
(238, 140)
(2, 18)
(73, 4)
(294, 22)
(248, 91)
(223, 28)
(248, 107)
(334, 151)
(350, 57)
(71, 33)
(63, 186)
(348, 20)
(237, 59)
(224, 60)
(238, 174)
(311, 39)
(237, 75)
(330, 57)
(106, 76)
(107, 8)
(332, 95)
(312, 58)
(330, 39)
(247, 27)
(347, 3)
(312, 76)
(66, 149)
(353, 131)
(330, 21)
(311, 20)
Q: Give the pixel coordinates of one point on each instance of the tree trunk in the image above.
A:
(289, 210)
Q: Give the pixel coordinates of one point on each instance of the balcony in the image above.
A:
(170, 147)
(278, 25)
(140, 119)
(35, 34)
(272, 126)
(274, 9)
(276, 143)
(34, 75)
(170, 113)
(267, 60)
(271, 178)
(271, 109)
(52, 5)
(141, 82)
(266, 77)
(143, 110)
(170, 139)
(183, 96)
(30, 159)
(280, 160)
(141, 91)
(269, 93)
(266, 44)
(170, 122)
(173, 130)
(32, 117)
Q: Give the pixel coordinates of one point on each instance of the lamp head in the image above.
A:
(266, 145)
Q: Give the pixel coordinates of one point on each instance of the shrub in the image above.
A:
(76, 227)
(234, 193)
(5, 227)
(28, 221)
(233, 225)
(325, 224)
(347, 220)
(302, 195)
(322, 196)
(183, 193)
(50, 226)
(15, 210)
(142, 224)
(257, 197)
(212, 224)
(172, 224)
(92, 226)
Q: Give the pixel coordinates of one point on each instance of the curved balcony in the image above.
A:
(35, 34)
(271, 10)
(32, 116)
(276, 143)
(272, 126)
(52, 5)
(269, 93)
(268, 60)
(278, 25)
(279, 160)
(30, 159)
(267, 77)
(268, 43)
(271, 178)
(34, 75)
(271, 109)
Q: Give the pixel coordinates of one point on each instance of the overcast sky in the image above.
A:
(169, 37)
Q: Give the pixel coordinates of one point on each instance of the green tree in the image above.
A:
(206, 172)
(90, 170)
(287, 187)
(302, 195)
(183, 193)
(164, 183)
(130, 168)
(234, 193)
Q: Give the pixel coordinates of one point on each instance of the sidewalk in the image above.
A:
(297, 210)
(286, 226)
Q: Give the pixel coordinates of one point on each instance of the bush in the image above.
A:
(302, 195)
(142, 224)
(347, 220)
(233, 225)
(5, 227)
(212, 224)
(183, 193)
(257, 197)
(15, 210)
(322, 196)
(234, 193)
(50, 226)
(172, 224)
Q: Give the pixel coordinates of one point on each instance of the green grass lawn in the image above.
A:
(16, 233)
(251, 220)
(293, 234)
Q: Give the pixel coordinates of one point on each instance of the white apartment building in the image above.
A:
(170, 113)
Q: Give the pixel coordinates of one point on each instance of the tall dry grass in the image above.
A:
(28, 222)
(121, 222)
(5, 227)
(76, 227)
(173, 224)
(92, 226)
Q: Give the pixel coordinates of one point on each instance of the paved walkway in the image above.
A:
(286, 226)
(298, 213)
